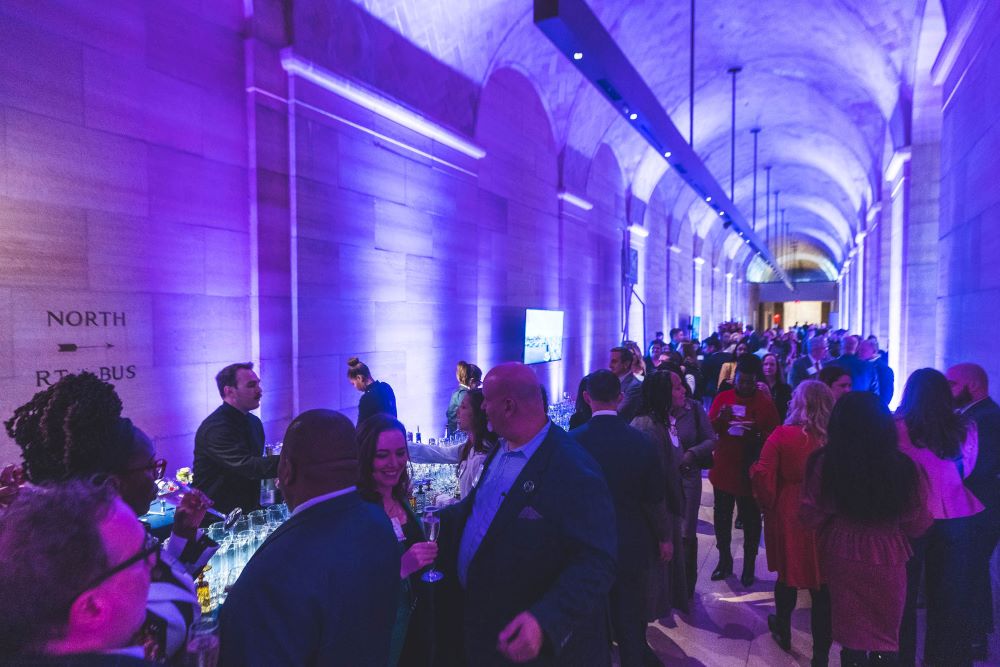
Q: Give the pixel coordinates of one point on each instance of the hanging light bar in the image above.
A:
(573, 28)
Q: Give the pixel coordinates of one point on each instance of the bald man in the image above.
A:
(323, 589)
(971, 388)
(535, 541)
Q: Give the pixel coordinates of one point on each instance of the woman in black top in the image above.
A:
(781, 392)
(376, 396)
(385, 480)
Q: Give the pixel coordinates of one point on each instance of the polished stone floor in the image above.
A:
(727, 626)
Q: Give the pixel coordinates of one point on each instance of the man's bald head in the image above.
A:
(850, 345)
(319, 456)
(969, 383)
(513, 402)
(867, 350)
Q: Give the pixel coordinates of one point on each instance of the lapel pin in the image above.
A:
(529, 486)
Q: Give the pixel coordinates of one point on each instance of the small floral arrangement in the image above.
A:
(185, 475)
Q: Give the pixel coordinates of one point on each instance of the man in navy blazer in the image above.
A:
(324, 588)
(864, 375)
(970, 387)
(635, 477)
(621, 365)
(533, 546)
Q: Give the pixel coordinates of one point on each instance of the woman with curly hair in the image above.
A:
(74, 430)
(777, 478)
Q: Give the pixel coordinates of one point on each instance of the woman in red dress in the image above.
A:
(743, 417)
(865, 499)
(791, 547)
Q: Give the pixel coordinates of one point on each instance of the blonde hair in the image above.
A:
(810, 408)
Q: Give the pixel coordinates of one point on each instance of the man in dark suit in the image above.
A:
(533, 546)
(970, 387)
(809, 366)
(229, 460)
(621, 365)
(324, 588)
(634, 475)
(864, 375)
(868, 351)
(712, 366)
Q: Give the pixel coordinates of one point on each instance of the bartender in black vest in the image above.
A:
(229, 460)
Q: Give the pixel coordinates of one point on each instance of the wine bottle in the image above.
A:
(417, 435)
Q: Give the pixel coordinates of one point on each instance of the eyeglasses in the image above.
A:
(159, 468)
(150, 546)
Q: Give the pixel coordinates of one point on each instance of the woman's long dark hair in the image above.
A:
(657, 396)
(864, 475)
(928, 410)
(368, 432)
(481, 438)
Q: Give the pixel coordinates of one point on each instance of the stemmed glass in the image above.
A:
(432, 526)
(174, 490)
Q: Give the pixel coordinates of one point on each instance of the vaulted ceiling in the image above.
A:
(828, 82)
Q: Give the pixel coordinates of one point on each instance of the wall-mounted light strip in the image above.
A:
(571, 198)
(377, 103)
(638, 230)
(899, 158)
(698, 261)
(873, 211)
(675, 248)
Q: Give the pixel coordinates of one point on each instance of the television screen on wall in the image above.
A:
(543, 336)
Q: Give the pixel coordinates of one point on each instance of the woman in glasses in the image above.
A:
(74, 430)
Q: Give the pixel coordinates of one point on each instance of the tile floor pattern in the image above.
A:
(727, 625)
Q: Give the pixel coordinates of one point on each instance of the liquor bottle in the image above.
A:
(268, 489)
(421, 500)
(413, 501)
(418, 434)
(204, 593)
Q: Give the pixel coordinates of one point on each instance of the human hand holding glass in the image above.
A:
(432, 526)
(174, 490)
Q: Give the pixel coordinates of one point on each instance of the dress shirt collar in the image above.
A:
(968, 407)
(602, 413)
(319, 499)
(530, 447)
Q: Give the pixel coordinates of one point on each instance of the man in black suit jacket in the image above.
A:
(809, 366)
(621, 365)
(324, 588)
(970, 387)
(533, 546)
(634, 475)
(229, 460)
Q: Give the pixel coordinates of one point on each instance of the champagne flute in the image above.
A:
(173, 489)
(432, 526)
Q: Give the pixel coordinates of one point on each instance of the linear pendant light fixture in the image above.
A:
(573, 28)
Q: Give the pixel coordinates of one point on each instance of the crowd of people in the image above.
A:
(561, 547)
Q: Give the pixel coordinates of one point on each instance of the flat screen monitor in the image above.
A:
(543, 336)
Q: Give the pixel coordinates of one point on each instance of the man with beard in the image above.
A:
(970, 387)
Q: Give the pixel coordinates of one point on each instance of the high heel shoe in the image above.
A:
(781, 631)
(724, 569)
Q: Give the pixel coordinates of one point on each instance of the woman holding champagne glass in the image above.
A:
(385, 479)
